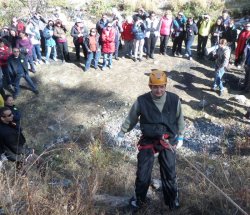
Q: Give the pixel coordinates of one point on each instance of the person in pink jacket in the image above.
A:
(165, 31)
(108, 45)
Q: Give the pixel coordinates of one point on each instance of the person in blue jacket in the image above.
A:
(139, 31)
(178, 34)
(50, 42)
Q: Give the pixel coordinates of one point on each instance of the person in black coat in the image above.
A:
(191, 30)
(230, 34)
(216, 32)
(11, 138)
(18, 68)
(12, 143)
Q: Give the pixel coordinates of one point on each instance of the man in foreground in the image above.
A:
(12, 143)
(162, 125)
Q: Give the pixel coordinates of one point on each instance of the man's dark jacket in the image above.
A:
(11, 141)
(13, 65)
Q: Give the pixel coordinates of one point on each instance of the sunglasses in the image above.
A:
(15, 51)
(8, 115)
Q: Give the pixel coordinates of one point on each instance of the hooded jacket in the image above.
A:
(108, 40)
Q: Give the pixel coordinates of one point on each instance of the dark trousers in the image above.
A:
(177, 44)
(164, 43)
(150, 44)
(63, 50)
(42, 42)
(202, 42)
(78, 48)
(27, 79)
(247, 79)
(167, 161)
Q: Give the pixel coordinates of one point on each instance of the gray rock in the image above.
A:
(240, 99)
(64, 183)
(203, 103)
(51, 128)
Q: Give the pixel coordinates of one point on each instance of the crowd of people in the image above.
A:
(39, 41)
(22, 45)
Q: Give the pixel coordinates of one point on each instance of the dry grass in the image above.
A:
(96, 169)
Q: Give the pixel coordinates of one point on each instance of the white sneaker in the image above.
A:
(40, 62)
(186, 55)
(54, 59)
(190, 58)
(239, 67)
(47, 62)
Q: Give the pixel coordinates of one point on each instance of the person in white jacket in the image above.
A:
(33, 32)
(152, 34)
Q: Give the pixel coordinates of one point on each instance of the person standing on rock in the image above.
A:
(222, 59)
(162, 125)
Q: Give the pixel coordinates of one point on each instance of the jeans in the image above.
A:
(128, 46)
(164, 43)
(151, 42)
(117, 44)
(36, 52)
(27, 79)
(29, 59)
(48, 52)
(138, 45)
(202, 42)
(63, 49)
(218, 78)
(107, 59)
(189, 44)
(92, 55)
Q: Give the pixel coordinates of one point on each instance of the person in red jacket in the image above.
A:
(128, 36)
(241, 43)
(108, 45)
(5, 52)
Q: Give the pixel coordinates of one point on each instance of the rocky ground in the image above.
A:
(70, 98)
